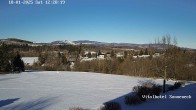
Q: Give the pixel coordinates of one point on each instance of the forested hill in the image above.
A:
(15, 41)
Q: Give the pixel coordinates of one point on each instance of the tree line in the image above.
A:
(10, 61)
(178, 63)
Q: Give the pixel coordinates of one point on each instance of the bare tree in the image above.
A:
(158, 41)
(175, 41)
(164, 42)
(168, 38)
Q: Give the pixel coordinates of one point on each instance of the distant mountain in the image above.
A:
(131, 45)
(96, 43)
(85, 42)
(63, 42)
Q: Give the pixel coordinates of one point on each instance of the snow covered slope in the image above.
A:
(63, 42)
(60, 90)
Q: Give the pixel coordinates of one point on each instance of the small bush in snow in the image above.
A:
(156, 90)
(175, 86)
(111, 106)
(183, 83)
(143, 91)
(136, 88)
(132, 100)
(147, 88)
(171, 88)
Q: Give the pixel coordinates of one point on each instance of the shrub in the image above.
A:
(112, 106)
(143, 91)
(132, 100)
(156, 90)
(171, 88)
(183, 83)
(175, 86)
(147, 88)
(136, 88)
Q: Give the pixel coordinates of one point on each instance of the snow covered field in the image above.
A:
(61, 90)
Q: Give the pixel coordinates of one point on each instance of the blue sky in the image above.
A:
(131, 21)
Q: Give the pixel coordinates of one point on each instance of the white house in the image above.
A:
(156, 55)
(141, 56)
(102, 56)
(29, 60)
(119, 55)
(92, 52)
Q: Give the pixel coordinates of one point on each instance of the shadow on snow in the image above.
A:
(7, 102)
(38, 104)
(153, 104)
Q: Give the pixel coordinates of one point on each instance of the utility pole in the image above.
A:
(164, 81)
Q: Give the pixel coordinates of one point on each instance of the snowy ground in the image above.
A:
(61, 90)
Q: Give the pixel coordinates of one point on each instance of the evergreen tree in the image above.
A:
(64, 60)
(18, 63)
(141, 52)
(125, 54)
(41, 59)
(112, 54)
(89, 55)
(146, 52)
(6, 56)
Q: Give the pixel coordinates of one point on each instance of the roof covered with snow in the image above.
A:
(30, 60)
